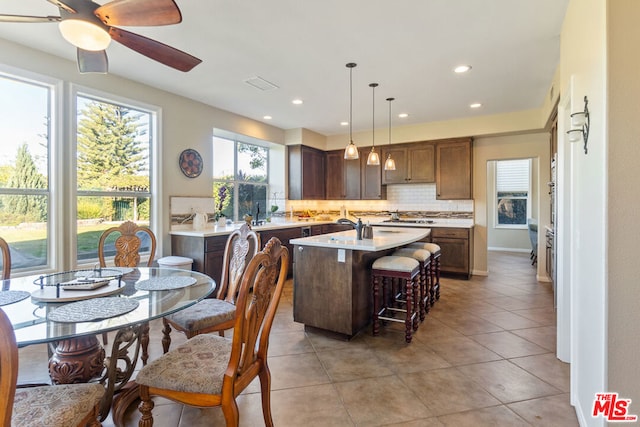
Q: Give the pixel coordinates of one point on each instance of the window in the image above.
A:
(25, 113)
(58, 194)
(240, 178)
(513, 191)
(113, 146)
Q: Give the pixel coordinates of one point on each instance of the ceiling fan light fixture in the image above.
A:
(85, 35)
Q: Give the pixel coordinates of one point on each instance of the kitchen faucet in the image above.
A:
(257, 220)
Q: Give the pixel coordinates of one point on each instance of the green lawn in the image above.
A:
(33, 241)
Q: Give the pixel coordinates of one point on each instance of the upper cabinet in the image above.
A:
(352, 179)
(454, 169)
(415, 163)
(306, 173)
(342, 176)
(371, 187)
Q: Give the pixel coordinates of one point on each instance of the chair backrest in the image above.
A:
(6, 259)
(241, 247)
(8, 369)
(127, 245)
(256, 307)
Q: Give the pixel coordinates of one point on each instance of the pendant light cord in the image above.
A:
(390, 99)
(351, 101)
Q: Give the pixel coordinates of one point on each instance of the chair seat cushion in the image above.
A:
(395, 263)
(431, 247)
(55, 406)
(197, 366)
(421, 255)
(204, 314)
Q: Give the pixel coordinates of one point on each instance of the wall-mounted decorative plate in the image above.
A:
(190, 163)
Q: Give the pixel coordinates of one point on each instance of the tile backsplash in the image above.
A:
(401, 197)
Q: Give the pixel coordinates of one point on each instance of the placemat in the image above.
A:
(165, 283)
(9, 297)
(93, 309)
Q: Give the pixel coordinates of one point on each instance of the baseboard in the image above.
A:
(480, 272)
(545, 278)
(526, 251)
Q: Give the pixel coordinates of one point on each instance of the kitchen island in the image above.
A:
(332, 277)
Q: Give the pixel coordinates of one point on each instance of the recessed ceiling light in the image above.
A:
(403, 115)
(462, 69)
(475, 105)
(344, 123)
(297, 101)
(267, 117)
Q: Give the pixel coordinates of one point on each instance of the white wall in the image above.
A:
(623, 156)
(582, 221)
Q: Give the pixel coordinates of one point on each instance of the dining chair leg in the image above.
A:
(265, 392)
(230, 410)
(145, 407)
(166, 335)
(144, 342)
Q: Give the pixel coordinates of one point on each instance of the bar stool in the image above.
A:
(385, 271)
(435, 266)
(423, 257)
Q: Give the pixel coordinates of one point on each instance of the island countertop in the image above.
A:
(383, 238)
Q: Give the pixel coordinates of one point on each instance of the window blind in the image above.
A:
(512, 175)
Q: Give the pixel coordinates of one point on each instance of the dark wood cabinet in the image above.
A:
(415, 163)
(454, 169)
(284, 235)
(207, 253)
(306, 172)
(371, 187)
(342, 177)
(456, 246)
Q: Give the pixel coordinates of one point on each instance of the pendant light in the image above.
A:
(373, 159)
(351, 152)
(390, 164)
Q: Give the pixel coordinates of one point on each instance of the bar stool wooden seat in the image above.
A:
(384, 272)
(423, 257)
(435, 266)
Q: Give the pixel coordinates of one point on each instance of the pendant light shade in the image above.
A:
(390, 164)
(351, 152)
(373, 159)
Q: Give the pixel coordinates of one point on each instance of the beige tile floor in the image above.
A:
(484, 356)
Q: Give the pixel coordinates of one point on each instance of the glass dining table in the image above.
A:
(70, 310)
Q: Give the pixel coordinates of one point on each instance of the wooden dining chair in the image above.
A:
(127, 254)
(52, 406)
(6, 259)
(209, 370)
(217, 314)
(127, 245)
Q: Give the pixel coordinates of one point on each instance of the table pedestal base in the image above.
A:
(76, 360)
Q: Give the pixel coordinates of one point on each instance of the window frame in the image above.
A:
(235, 182)
(155, 118)
(528, 198)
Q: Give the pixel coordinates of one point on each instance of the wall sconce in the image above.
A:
(580, 125)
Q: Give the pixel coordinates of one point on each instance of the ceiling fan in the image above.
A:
(91, 27)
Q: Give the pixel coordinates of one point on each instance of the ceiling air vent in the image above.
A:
(260, 83)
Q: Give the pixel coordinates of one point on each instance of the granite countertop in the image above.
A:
(383, 238)
(214, 230)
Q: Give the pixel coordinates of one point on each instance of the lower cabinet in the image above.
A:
(456, 247)
(207, 253)
(284, 235)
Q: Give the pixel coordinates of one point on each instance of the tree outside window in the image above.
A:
(241, 179)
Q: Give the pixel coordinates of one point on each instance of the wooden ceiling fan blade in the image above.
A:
(139, 13)
(92, 61)
(26, 18)
(155, 50)
(62, 5)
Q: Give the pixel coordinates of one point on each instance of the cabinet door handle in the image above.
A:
(300, 248)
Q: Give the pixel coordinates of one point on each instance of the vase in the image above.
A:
(222, 222)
